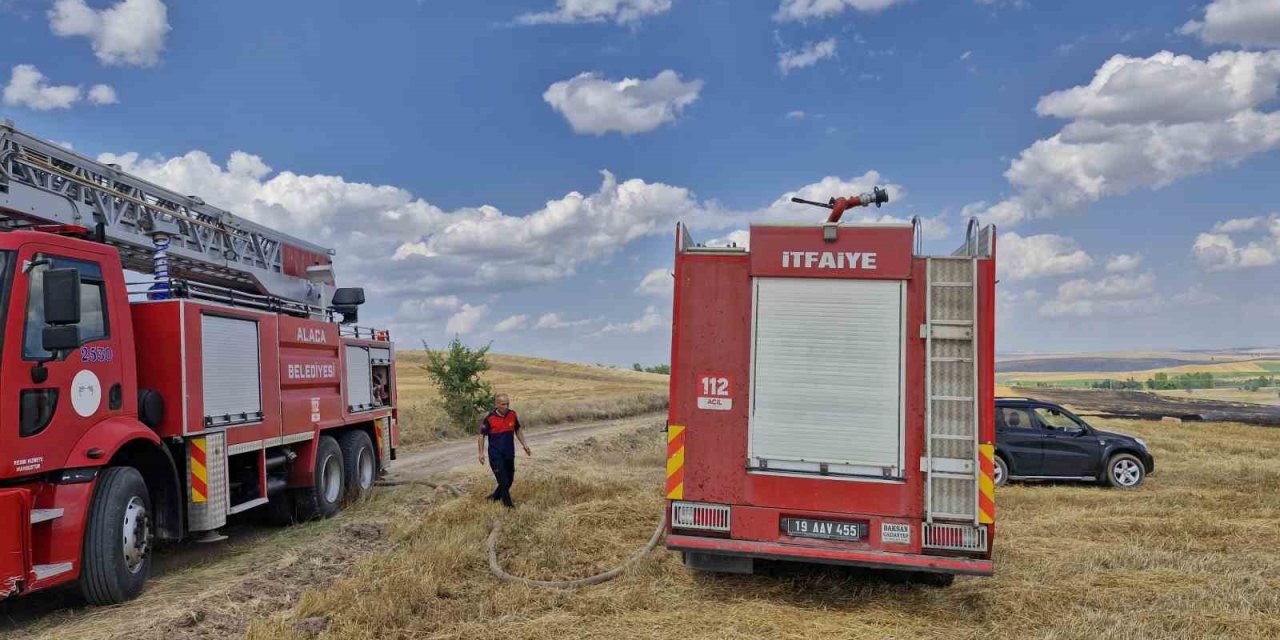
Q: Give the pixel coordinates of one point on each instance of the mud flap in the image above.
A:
(15, 543)
(717, 563)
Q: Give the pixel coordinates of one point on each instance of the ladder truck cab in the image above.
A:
(832, 400)
(132, 413)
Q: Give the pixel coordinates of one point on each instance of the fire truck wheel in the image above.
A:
(360, 464)
(323, 498)
(278, 511)
(1002, 472)
(117, 539)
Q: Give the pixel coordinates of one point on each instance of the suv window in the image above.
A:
(1054, 419)
(1015, 418)
(93, 304)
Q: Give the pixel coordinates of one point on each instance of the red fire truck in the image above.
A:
(233, 379)
(832, 400)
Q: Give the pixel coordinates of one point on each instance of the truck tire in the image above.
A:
(278, 512)
(324, 497)
(1001, 472)
(359, 463)
(1125, 471)
(116, 558)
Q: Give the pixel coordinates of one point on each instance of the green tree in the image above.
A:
(637, 367)
(464, 397)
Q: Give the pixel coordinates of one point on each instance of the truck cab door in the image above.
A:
(1020, 439)
(47, 409)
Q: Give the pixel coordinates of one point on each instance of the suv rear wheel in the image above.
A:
(1001, 472)
(1125, 471)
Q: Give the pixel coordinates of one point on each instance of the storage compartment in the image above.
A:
(231, 370)
(827, 377)
(359, 379)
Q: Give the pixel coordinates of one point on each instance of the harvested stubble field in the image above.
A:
(542, 391)
(1193, 553)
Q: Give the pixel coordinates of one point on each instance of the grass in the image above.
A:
(1193, 553)
(542, 392)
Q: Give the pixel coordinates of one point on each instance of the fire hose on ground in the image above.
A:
(496, 569)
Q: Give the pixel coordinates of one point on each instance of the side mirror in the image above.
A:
(60, 338)
(61, 309)
(61, 296)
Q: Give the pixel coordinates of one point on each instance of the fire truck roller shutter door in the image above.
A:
(359, 379)
(231, 371)
(827, 376)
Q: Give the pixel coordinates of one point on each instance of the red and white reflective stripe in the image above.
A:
(955, 537)
(199, 471)
(704, 517)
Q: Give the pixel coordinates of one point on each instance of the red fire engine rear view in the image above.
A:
(832, 399)
(233, 379)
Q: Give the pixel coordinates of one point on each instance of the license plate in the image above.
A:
(825, 529)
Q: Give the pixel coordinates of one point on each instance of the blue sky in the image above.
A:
(1126, 151)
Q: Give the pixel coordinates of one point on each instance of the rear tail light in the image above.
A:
(699, 516)
(955, 537)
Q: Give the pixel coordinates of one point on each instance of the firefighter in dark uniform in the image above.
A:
(502, 427)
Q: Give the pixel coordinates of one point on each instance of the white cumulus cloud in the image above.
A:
(1126, 294)
(1236, 225)
(556, 320)
(598, 106)
(1024, 258)
(657, 282)
(651, 320)
(579, 11)
(1144, 123)
(1219, 251)
(466, 319)
(1169, 88)
(810, 54)
(29, 88)
(737, 238)
(790, 10)
(404, 245)
(102, 94)
(1123, 262)
(512, 323)
(1249, 23)
(127, 33)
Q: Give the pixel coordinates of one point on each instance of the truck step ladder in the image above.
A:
(45, 515)
(44, 183)
(951, 463)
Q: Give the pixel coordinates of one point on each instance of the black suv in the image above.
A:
(1042, 441)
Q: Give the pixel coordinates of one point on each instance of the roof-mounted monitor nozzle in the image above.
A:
(878, 196)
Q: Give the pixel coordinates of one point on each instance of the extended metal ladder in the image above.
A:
(951, 462)
(46, 183)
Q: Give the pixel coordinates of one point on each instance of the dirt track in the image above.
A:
(211, 591)
(439, 458)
